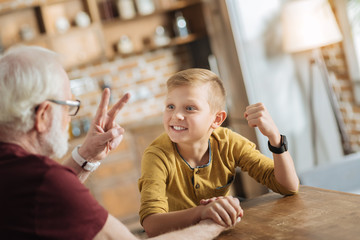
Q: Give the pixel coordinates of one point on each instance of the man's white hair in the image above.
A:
(28, 76)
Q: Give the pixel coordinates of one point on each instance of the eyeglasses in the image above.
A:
(74, 106)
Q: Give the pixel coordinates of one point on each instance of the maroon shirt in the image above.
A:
(41, 199)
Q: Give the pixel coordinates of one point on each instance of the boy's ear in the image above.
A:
(43, 117)
(219, 119)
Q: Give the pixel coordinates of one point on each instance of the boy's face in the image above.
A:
(188, 117)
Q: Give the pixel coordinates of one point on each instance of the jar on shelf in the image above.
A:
(126, 9)
(145, 7)
(180, 25)
(62, 24)
(82, 19)
(161, 38)
(27, 32)
(125, 45)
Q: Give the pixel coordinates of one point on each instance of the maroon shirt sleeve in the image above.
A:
(65, 208)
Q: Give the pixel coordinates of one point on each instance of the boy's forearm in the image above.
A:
(284, 170)
(159, 223)
(205, 230)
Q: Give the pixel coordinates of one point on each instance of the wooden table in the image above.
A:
(313, 213)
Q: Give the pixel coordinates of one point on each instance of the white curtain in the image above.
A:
(281, 82)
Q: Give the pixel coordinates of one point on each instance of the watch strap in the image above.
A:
(278, 150)
(88, 166)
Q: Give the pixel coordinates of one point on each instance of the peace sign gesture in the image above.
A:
(104, 134)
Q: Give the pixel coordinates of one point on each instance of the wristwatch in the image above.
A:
(282, 148)
(88, 166)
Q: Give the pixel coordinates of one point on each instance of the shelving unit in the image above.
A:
(176, 41)
(37, 23)
(173, 6)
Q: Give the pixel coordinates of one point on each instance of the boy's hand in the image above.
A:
(258, 116)
(225, 211)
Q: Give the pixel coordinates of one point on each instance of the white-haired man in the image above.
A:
(41, 199)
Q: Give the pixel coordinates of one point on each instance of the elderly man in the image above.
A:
(41, 199)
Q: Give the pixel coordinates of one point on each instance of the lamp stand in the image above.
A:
(318, 60)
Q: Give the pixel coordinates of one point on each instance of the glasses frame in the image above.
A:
(71, 103)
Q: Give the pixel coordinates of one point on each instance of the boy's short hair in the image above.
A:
(199, 76)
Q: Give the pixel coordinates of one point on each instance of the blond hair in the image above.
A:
(197, 77)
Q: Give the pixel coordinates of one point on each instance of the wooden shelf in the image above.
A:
(174, 42)
(184, 40)
(101, 36)
(174, 7)
(181, 5)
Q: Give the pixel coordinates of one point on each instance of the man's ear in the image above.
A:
(43, 117)
(219, 119)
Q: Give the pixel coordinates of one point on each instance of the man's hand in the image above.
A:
(258, 116)
(104, 134)
(225, 211)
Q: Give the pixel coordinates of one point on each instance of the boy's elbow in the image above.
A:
(149, 227)
(294, 188)
(150, 233)
(289, 188)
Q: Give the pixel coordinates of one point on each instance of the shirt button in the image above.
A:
(197, 186)
(197, 171)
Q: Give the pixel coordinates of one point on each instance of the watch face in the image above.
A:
(284, 142)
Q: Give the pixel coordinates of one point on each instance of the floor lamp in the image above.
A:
(309, 25)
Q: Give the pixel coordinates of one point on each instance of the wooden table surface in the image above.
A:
(313, 213)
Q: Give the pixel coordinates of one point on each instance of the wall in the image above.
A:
(282, 82)
(343, 87)
(143, 76)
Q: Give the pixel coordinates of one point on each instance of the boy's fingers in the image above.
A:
(255, 116)
(223, 211)
(216, 218)
(236, 204)
(231, 211)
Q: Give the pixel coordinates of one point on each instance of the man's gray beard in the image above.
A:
(56, 140)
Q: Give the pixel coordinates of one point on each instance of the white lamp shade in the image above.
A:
(308, 24)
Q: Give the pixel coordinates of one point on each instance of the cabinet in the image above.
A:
(53, 24)
(141, 28)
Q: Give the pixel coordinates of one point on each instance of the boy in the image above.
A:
(196, 159)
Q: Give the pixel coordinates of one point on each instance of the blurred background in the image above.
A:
(299, 57)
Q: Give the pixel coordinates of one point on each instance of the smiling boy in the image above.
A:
(195, 159)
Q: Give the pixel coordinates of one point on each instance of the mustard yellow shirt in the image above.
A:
(168, 183)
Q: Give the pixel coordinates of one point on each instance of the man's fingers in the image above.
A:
(118, 106)
(111, 135)
(102, 108)
(115, 142)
